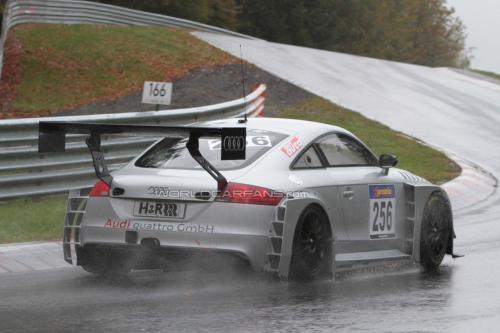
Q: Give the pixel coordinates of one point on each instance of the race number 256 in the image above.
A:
(382, 211)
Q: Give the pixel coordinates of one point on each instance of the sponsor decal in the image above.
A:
(159, 209)
(381, 191)
(233, 143)
(251, 141)
(292, 147)
(117, 224)
(180, 227)
(166, 227)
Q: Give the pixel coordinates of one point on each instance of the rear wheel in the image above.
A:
(312, 246)
(435, 232)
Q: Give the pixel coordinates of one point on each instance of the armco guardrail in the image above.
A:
(85, 12)
(23, 171)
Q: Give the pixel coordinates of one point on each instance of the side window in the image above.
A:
(341, 150)
(309, 159)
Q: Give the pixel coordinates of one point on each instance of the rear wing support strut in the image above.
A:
(101, 168)
(52, 138)
(193, 147)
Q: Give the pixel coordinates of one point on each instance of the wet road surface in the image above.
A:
(463, 296)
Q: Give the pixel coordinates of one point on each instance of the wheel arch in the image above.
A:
(294, 211)
(422, 195)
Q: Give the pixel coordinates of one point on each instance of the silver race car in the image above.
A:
(302, 199)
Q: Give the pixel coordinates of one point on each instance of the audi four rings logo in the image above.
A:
(234, 143)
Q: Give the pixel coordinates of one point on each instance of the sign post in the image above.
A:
(158, 93)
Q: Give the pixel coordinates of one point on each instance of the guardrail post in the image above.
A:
(3, 37)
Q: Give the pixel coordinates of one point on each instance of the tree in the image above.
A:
(422, 32)
(221, 13)
(2, 6)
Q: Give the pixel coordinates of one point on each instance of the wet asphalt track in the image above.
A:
(463, 297)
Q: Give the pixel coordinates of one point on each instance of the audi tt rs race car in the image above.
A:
(302, 199)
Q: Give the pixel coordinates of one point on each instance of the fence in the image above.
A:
(23, 171)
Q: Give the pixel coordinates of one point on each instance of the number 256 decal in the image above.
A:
(382, 216)
(382, 222)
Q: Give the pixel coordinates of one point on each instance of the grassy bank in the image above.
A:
(32, 219)
(64, 66)
(412, 155)
(486, 73)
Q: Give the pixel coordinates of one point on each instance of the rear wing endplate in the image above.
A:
(52, 138)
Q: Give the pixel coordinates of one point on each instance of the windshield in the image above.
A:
(171, 153)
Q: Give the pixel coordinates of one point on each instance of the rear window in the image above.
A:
(171, 153)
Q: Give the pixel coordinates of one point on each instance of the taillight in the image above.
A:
(100, 189)
(249, 194)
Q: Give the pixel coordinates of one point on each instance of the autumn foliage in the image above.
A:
(424, 32)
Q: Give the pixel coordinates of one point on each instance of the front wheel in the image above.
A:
(435, 232)
(312, 246)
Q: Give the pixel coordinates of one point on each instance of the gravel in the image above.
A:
(209, 86)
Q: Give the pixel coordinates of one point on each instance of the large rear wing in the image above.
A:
(52, 138)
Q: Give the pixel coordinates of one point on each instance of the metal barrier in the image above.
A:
(85, 12)
(23, 171)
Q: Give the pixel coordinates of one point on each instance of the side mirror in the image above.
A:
(387, 161)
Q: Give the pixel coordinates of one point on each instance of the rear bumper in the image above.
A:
(251, 248)
(223, 230)
(154, 257)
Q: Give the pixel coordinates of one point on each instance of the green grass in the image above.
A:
(26, 220)
(412, 155)
(486, 73)
(64, 66)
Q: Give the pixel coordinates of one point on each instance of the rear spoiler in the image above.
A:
(52, 138)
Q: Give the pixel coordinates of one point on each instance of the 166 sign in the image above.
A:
(157, 92)
(233, 143)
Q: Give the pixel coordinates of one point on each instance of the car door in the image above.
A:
(367, 195)
(310, 169)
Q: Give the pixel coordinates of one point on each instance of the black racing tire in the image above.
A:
(435, 232)
(312, 246)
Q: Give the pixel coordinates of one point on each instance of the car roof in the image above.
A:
(282, 125)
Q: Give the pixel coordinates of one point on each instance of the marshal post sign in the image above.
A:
(157, 93)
